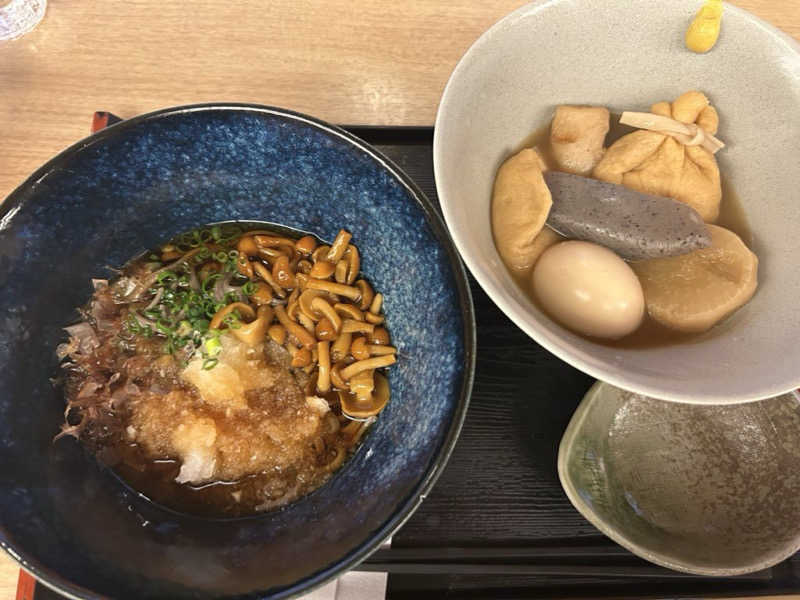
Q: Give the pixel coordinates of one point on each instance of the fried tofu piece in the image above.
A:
(655, 163)
(520, 205)
(577, 135)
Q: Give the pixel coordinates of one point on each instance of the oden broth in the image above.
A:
(649, 334)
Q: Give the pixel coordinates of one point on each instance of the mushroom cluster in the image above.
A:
(310, 299)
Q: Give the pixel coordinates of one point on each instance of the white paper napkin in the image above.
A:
(354, 585)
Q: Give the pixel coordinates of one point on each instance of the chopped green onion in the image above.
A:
(233, 321)
(212, 346)
(182, 315)
(210, 279)
(184, 329)
(164, 326)
(166, 276)
(200, 325)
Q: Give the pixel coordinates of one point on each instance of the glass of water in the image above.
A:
(18, 17)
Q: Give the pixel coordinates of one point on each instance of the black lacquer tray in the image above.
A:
(497, 524)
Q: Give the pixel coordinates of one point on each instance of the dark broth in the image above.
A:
(650, 334)
(137, 362)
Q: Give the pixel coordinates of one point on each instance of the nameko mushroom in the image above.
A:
(317, 307)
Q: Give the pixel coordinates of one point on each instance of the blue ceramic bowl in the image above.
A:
(135, 184)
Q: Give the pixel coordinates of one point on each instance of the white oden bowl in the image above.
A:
(627, 55)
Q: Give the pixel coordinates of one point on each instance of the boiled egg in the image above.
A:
(589, 289)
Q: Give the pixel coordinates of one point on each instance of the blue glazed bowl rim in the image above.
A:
(17, 198)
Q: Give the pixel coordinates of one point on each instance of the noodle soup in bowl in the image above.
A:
(630, 58)
(270, 187)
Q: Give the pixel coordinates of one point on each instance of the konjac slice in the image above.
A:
(635, 225)
(694, 291)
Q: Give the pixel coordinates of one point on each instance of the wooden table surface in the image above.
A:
(380, 62)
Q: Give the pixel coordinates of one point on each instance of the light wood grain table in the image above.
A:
(379, 62)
